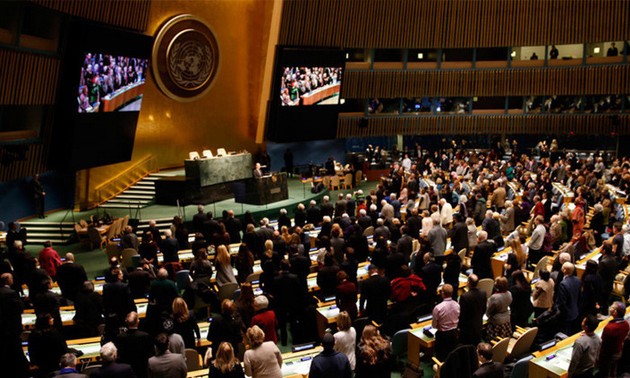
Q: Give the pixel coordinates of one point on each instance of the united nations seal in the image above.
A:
(185, 58)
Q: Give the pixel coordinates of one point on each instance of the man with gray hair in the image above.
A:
(169, 248)
(437, 239)
(199, 218)
(313, 214)
(481, 260)
(111, 368)
(567, 300)
(326, 207)
(68, 364)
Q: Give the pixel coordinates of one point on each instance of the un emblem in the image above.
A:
(185, 58)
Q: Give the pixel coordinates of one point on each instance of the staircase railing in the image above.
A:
(125, 179)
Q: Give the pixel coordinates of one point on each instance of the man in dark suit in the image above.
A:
(210, 227)
(135, 346)
(341, 206)
(111, 368)
(364, 220)
(155, 232)
(129, 239)
(198, 219)
(414, 224)
(117, 303)
(405, 244)
(381, 230)
(313, 214)
(14, 363)
(233, 227)
(326, 207)
(48, 302)
(165, 363)
(290, 297)
(481, 260)
(300, 265)
(70, 277)
(170, 248)
(459, 234)
(472, 307)
(375, 291)
(567, 300)
(487, 367)
(257, 172)
(431, 274)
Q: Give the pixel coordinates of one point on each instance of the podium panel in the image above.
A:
(262, 191)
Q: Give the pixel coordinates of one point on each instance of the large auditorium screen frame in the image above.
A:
(306, 94)
(103, 131)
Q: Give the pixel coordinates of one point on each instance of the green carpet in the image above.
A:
(95, 261)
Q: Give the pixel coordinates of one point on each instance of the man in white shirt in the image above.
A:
(535, 243)
(446, 213)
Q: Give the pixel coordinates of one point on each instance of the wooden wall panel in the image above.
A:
(580, 124)
(452, 23)
(493, 82)
(29, 162)
(27, 79)
(129, 14)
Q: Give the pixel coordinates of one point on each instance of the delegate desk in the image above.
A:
(554, 362)
(294, 364)
(68, 313)
(98, 287)
(113, 101)
(91, 347)
(320, 94)
(418, 341)
(580, 266)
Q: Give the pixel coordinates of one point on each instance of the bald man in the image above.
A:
(70, 277)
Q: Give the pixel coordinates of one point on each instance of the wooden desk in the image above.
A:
(91, 348)
(98, 287)
(294, 365)
(417, 341)
(101, 230)
(557, 367)
(580, 265)
(68, 313)
(113, 101)
(320, 94)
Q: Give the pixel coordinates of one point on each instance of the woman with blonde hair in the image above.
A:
(346, 337)
(284, 233)
(263, 358)
(223, 264)
(184, 323)
(519, 251)
(374, 358)
(225, 364)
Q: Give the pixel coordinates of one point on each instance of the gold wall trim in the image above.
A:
(605, 124)
(452, 23)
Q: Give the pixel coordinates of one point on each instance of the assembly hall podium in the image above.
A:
(263, 190)
(206, 180)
